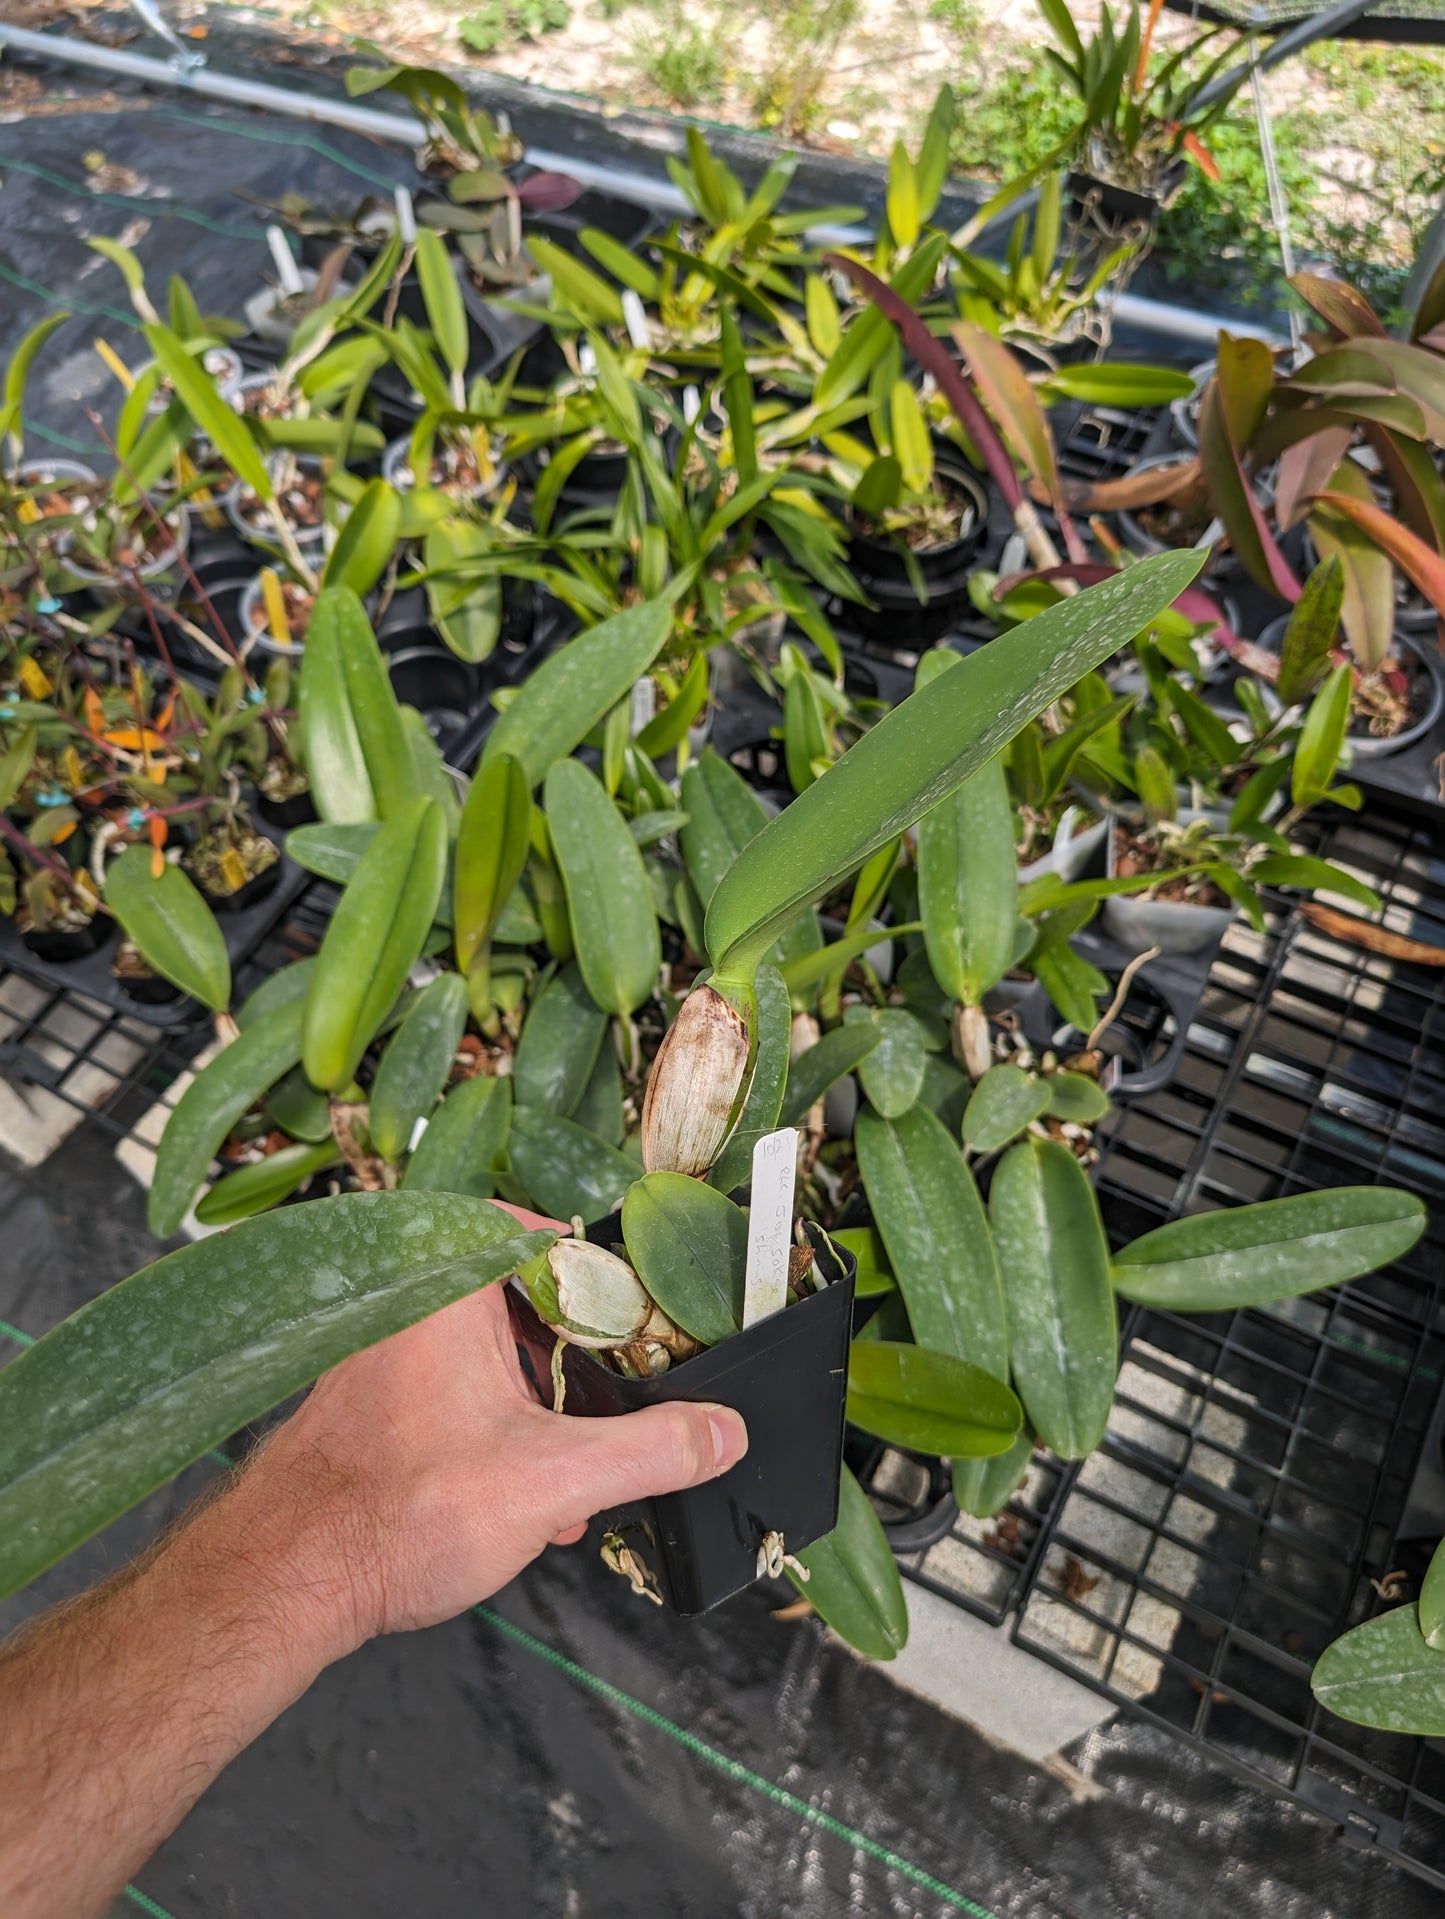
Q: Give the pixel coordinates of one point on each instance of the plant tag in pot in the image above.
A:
(770, 1224)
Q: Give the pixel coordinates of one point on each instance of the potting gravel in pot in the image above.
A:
(934, 549)
(233, 865)
(1393, 706)
(1182, 913)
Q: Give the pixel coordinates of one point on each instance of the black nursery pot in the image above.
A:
(897, 614)
(149, 989)
(256, 888)
(59, 944)
(299, 810)
(788, 1377)
(442, 688)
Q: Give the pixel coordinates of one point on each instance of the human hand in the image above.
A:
(422, 1474)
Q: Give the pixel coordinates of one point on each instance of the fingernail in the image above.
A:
(729, 1437)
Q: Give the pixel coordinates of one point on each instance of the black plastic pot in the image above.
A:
(443, 689)
(788, 1378)
(255, 889)
(1119, 203)
(147, 989)
(299, 810)
(59, 946)
(878, 565)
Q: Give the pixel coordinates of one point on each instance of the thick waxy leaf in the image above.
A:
(1063, 1331)
(463, 1144)
(929, 1402)
(921, 752)
(173, 928)
(221, 424)
(1432, 1601)
(491, 852)
(565, 1169)
(1384, 1674)
(374, 939)
(366, 542)
(762, 1104)
(416, 1063)
(297, 1108)
(927, 1207)
(267, 1048)
(466, 610)
(561, 702)
(1290, 869)
(983, 1487)
(853, 1582)
(558, 1051)
(968, 885)
(357, 756)
(136, 1385)
(1418, 562)
(822, 1066)
(331, 849)
(892, 1071)
(1322, 738)
(1004, 1102)
(609, 902)
(689, 1244)
(253, 1189)
(1304, 653)
(1254, 1255)
(1075, 1098)
(723, 814)
(600, 1107)
(289, 985)
(442, 296)
(1233, 499)
(1341, 529)
(865, 1243)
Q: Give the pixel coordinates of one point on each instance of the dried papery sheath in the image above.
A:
(693, 1088)
(600, 1300)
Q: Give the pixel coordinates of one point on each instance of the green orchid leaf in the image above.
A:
(288, 986)
(357, 757)
(823, 1065)
(560, 703)
(723, 815)
(374, 939)
(1384, 1674)
(442, 296)
(929, 1402)
(1432, 1601)
(1277, 1249)
(609, 902)
(296, 1107)
(566, 1170)
(600, 1107)
(921, 752)
(759, 1116)
(417, 1061)
(221, 1092)
(983, 1487)
(892, 1071)
(102, 1411)
(264, 1184)
(198, 393)
(561, 1042)
(174, 930)
(1322, 738)
(464, 1141)
(366, 541)
(1075, 1098)
(1063, 1329)
(1005, 1102)
(927, 1207)
(689, 1246)
(492, 844)
(853, 1582)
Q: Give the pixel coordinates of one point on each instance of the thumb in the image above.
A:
(608, 1462)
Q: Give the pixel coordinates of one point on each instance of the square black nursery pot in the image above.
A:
(787, 1376)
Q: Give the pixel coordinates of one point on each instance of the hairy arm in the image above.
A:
(415, 1480)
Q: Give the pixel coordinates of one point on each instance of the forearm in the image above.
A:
(117, 1711)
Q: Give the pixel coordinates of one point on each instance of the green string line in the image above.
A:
(164, 209)
(137, 1897)
(732, 1769)
(310, 140)
(75, 306)
(62, 439)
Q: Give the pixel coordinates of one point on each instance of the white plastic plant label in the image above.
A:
(287, 271)
(644, 704)
(770, 1224)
